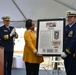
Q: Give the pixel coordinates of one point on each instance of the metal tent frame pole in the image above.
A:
(19, 9)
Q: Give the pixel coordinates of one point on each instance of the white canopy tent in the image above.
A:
(20, 10)
(34, 9)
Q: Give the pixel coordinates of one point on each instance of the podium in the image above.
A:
(1, 61)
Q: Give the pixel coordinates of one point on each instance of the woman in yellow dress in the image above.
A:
(31, 57)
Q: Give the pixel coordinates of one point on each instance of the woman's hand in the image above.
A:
(38, 55)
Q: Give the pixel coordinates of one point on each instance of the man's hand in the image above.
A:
(16, 35)
(63, 55)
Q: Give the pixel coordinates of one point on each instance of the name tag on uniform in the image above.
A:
(5, 30)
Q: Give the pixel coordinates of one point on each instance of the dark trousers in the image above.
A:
(70, 65)
(8, 56)
(32, 68)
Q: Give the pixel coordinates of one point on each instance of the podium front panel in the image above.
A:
(1, 61)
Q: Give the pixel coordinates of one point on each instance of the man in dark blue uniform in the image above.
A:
(7, 34)
(69, 55)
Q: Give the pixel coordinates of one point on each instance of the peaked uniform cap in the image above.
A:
(71, 13)
(6, 18)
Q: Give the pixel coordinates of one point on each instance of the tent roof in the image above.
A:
(34, 9)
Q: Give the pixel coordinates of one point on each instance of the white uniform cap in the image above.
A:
(6, 18)
(71, 13)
